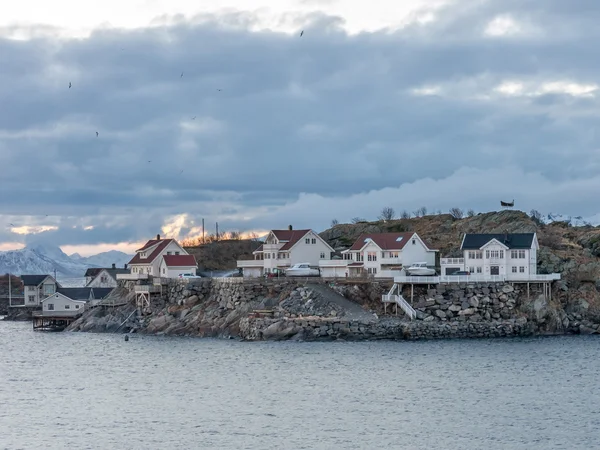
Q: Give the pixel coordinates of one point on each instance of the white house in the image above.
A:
(380, 255)
(511, 256)
(284, 248)
(61, 305)
(37, 288)
(147, 259)
(172, 265)
(104, 278)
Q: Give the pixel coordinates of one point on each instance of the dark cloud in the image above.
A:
(259, 118)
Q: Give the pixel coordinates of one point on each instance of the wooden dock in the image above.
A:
(52, 322)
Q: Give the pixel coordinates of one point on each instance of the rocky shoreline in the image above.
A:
(286, 309)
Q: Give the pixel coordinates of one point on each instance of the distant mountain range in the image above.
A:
(575, 221)
(45, 259)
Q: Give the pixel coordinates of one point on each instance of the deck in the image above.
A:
(450, 279)
(53, 320)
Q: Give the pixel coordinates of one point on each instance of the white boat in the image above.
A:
(420, 269)
(302, 270)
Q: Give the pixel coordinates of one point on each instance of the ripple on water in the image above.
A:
(76, 390)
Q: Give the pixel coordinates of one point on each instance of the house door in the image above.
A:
(495, 270)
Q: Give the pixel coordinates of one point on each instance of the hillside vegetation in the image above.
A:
(222, 255)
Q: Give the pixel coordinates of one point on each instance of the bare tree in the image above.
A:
(358, 220)
(334, 222)
(536, 216)
(253, 236)
(457, 213)
(422, 211)
(470, 213)
(235, 235)
(387, 213)
(405, 215)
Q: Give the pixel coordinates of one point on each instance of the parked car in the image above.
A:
(189, 275)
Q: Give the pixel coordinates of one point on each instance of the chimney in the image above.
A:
(125, 266)
(158, 237)
(114, 266)
(290, 227)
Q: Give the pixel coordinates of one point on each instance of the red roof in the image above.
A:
(385, 241)
(180, 260)
(291, 236)
(162, 244)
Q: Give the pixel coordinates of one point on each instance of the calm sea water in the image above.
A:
(91, 391)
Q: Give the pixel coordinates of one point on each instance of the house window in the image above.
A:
(471, 255)
(360, 257)
(479, 270)
(307, 241)
(479, 255)
(494, 254)
(348, 256)
(31, 288)
(322, 256)
(76, 306)
(414, 241)
(521, 254)
(67, 306)
(177, 253)
(393, 254)
(487, 254)
(372, 256)
(50, 306)
(103, 279)
(314, 240)
(32, 299)
(372, 270)
(501, 254)
(522, 269)
(514, 269)
(514, 254)
(163, 270)
(471, 269)
(168, 253)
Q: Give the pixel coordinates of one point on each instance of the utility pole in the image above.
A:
(217, 231)
(203, 231)
(10, 291)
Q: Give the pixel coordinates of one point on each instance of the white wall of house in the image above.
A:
(253, 272)
(103, 280)
(60, 304)
(35, 294)
(153, 268)
(312, 252)
(173, 272)
(415, 251)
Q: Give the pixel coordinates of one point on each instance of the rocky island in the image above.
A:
(277, 309)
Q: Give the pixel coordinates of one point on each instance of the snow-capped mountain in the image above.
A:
(104, 259)
(45, 259)
(575, 221)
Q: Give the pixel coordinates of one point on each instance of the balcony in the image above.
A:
(132, 276)
(334, 262)
(390, 261)
(146, 288)
(452, 261)
(251, 263)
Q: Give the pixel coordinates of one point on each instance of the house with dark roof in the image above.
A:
(105, 277)
(380, 255)
(509, 256)
(148, 258)
(284, 248)
(38, 287)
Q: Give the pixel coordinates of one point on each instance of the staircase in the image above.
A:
(398, 300)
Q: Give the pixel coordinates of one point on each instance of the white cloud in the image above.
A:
(502, 26)
(427, 90)
(33, 229)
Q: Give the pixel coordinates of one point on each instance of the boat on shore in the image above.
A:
(420, 269)
(302, 270)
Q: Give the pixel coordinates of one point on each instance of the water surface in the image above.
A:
(96, 391)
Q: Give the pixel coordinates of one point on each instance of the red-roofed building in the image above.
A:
(172, 265)
(149, 258)
(380, 255)
(284, 248)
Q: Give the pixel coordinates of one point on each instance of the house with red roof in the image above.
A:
(162, 258)
(284, 248)
(380, 255)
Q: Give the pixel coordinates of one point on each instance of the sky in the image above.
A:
(221, 111)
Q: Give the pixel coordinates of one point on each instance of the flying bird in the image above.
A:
(194, 118)
(181, 75)
(149, 161)
(219, 90)
(96, 134)
(13, 225)
(69, 85)
(301, 33)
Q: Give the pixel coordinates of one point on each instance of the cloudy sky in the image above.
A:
(381, 103)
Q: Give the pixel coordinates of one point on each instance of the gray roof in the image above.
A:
(84, 293)
(33, 280)
(511, 240)
(94, 272)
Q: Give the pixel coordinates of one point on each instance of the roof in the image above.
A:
(180, 260)
(162, 244)
(259, 249)
(92, 272)
(385, 241)
(356, 264)
(290, 237)
(84, 293)
(511, 240)
(33, 280)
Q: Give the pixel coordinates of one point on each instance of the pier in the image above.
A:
(43, 321)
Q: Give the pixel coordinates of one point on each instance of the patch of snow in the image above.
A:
(575, 221)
